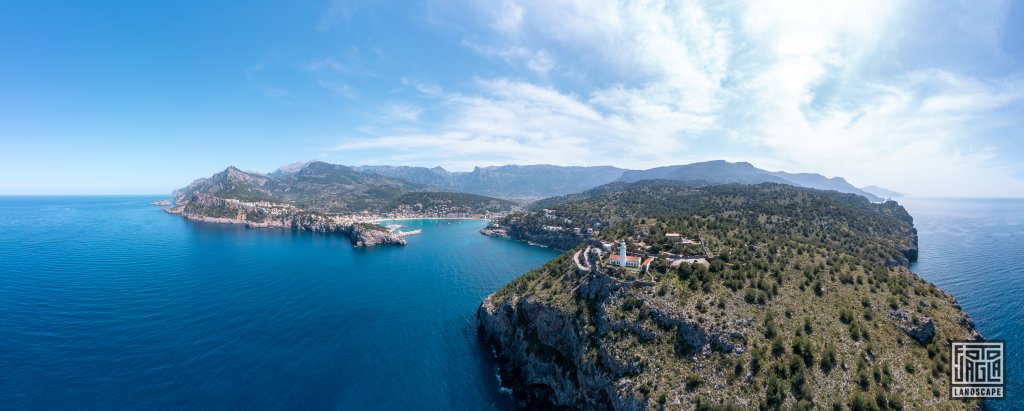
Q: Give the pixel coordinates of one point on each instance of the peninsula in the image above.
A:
(324, 197)
(723, 297)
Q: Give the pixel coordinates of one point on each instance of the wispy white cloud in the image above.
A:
(339, 88)
(402, 112)
(352, 63)
(538, 61)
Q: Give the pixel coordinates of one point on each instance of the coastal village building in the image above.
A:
(678, 238)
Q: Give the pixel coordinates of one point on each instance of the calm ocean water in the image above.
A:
(108, 303)
(974, 250)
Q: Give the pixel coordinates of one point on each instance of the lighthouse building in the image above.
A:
(623, 259)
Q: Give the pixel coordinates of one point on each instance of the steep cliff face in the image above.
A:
(555, 355)
(365, 235)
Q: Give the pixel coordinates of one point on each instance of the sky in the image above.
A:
(130, 97)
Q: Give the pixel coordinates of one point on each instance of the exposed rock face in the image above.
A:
(494, 230)
(364, 236)
(545, 353)
(539, 350)
(920, 329)
(559, 241)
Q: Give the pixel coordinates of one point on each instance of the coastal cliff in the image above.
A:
(557, 240)
(807, 302)
(325, 197)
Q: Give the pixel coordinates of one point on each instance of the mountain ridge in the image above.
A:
(724, 172)
(529, 183)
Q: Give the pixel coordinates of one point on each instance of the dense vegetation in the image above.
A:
(767, 211)
(449, 203)
(808, 291)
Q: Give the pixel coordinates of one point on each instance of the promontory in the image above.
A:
(722, 297)
(324, 197)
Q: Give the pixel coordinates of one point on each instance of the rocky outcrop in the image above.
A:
(495, 230)
(551, 357)
(540, 351)
(366, 235)
(920, 329)
(162, 203)
(557, 241)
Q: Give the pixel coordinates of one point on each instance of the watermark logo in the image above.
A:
(978, 370)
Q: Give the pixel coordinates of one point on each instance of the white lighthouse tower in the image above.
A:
(622, 253)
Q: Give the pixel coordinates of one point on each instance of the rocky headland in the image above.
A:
(323, 197)
(807, 303)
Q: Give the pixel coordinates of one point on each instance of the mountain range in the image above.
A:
(513, 182)
(332, 188)
(529, 183)
(723, 172)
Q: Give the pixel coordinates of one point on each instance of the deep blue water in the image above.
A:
(974, 250)
(108, 303)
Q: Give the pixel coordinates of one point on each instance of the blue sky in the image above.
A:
(142, 97)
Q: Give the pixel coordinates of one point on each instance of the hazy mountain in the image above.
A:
(533, 182)
(523, 183)
(724, 172)
(437, 176)
(721, 172)
(882, 192)
(288, 168)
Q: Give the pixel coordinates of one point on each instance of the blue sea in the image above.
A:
(108, 303)
(974, 250)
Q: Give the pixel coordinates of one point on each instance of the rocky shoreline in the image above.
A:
(553, 241)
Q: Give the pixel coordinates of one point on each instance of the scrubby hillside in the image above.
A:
(771, 297)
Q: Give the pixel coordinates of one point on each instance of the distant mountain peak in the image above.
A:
(291, 167)
(882, 192)
(724, 172)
